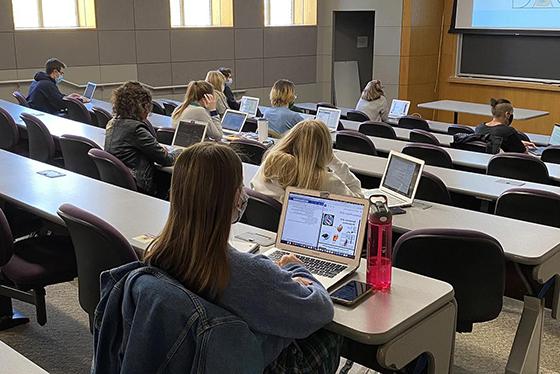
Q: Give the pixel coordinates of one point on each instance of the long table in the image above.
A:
(12, 362)
(157, 120)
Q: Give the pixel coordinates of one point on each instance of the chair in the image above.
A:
(551, 154)
(378, 129)
(41, 142)
(431, 154)
(27, 267)
(354, 141)
(9, 133)
(262, 211)
(413, 122)
(472, 262)
(325, 105)
(431, 188)
(537, 206)
(102, 117)
(98, 247)
(474, 146)
(422, 136)
(165, 135)
(75, 153)
(249, 151)
(357, 116)
(77, 111)
(20, 98)
(112, 170)
(157, 108)
(168, 107)
(518, 166)
(457, 129)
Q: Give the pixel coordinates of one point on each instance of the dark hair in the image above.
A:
(225, 71)
(131, 101)
(53, 64)
(500, 107)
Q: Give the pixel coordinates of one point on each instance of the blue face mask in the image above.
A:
(59, 79)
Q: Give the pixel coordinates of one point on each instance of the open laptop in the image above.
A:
(233, 121)
(399, 108)
(329, 116)
(325, 231)
(189, 133)
(400, 179)
(90, 90)
(554, 140)
(249, 105)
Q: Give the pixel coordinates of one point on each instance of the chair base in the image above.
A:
(16, 319)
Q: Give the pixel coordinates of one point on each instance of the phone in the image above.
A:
(351, 293)
(253, 237)
(397, 210)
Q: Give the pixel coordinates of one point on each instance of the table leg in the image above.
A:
(455, 117)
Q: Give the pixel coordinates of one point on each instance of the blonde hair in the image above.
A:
(195, 92)
(301, 157)
(373, 91)
(283, 93)
(216, 79)
(192, 247)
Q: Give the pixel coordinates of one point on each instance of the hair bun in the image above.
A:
(493, 102)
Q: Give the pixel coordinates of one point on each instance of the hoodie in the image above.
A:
(44, 94)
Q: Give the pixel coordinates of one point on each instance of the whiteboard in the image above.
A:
(346, 84)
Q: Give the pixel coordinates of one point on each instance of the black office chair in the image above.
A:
(77, 111)
(165, 135)
(262, 211)
(357, 116)
(537, 206)
(431, 188)
(20, 99)
(431, 154)
(112, 170)
(472, 262)
(102, 117)
(168, 107)
(551, 154)
(75, 153)
(9, 133)
(518, 166)
(413, 122)
(422, 136)
(98, 247)
(354, 141)
(249, 151)
(157, 108)
(41, 142)
(378, 129)
(458, 129)
(474, 146)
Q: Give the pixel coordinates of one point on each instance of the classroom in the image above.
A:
(279, 186)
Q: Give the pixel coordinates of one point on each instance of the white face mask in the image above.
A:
(229, 82)
(240, 207)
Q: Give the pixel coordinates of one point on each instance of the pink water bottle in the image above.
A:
(380, 243)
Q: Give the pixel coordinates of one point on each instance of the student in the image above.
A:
(304, 158)
(280, 117)
(129, 138)
(373, 102)
(217, 80)
(500, 128)
(232, 103)
(44, 94)
(200, 105)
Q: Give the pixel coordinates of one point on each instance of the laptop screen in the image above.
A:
(233, 121)
(329, 116)
(249, 105)
(189, 133)
(323, 225)
(555, 136)
(399, 108)
(401, 175)
(90, 89)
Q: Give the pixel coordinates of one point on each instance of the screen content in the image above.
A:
(322, 225)
(233, 121)
(401, 175)
(399, 108)
(328, 117)
(90, 89)
(555, 137)
(249, 106)
(189, 133)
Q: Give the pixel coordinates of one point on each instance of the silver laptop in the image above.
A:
(325, 231)
(249, 105)
(90, 90)
(554, 140)
(399, 108)
(329, 116)
(189, 133)
(233, 121)
(400, 180)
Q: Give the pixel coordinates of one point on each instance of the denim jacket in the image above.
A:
(147, 322)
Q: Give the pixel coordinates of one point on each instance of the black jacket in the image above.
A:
(232, 103)
(44, 94)
(134, 143)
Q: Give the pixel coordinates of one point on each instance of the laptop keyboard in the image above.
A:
(314, 265)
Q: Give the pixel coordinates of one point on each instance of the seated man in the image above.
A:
(44, 94)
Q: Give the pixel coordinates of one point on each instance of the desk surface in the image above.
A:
(157, 120)
(479, 109)
(13, 362)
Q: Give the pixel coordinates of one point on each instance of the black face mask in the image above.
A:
(509, 120)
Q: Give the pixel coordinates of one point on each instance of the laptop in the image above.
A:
(554, 140)
(249, 105)
(233, 121)
(400, 180)
(399, 108)
(329, 116)
(189, 133)
(90, 90)
(325, 231)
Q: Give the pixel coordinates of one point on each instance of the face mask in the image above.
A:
(59, 79)
(229, 82)
(240, 207)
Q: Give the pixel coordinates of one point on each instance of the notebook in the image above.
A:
(249, 105)
(233, 121)
(399, 108)
(329, 116)
(189, 133)
(90, 90)
(554, 140)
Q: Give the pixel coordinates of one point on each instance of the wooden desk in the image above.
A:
(12, 362)
(157, 120)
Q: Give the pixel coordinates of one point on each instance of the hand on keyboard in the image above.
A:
(288, 259)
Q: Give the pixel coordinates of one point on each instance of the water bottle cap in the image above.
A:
(383, 219)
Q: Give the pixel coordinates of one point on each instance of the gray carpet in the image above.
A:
(64, 344)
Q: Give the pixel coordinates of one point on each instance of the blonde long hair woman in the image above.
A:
(373, 102)
(304, 158)
(218, 81)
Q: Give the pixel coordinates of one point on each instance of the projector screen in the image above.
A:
(514, 15)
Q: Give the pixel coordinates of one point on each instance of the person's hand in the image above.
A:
(75, 96)
(84, 99)
(288, 259)
(303, 281)
(209, 102)
(529, 144)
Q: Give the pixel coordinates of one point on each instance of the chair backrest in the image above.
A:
(551, 154)
(98, 246)
(20, 98)
(112, 170)
(537, 206)
(77, 111)
(75, 153)
(431, 188)
(423, 136)
(262, 211)
(168, 107)
(249, 150)
(457, 129)
(101, 116)
(354, 141)
(474, 146)
(472, 262)
(431, 154)
(518, 166)
(378, 129)
(165, 135)
(250, 125)
(356, 115)
(325, 105)
(6, 240)
(41, 143)
(157, 108)
(413, 122)
(9, 133)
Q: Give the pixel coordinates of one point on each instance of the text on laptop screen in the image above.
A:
(555, 137)
(189, 133)
(329, 117)
(401, 175)
(249, 105)
(233, 121)
(90, 89)
(322, 224)
(399, 108)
